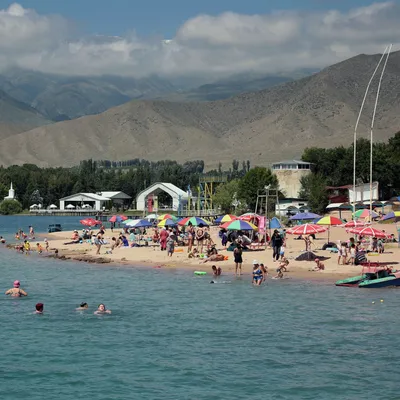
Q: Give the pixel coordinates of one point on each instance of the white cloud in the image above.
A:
(217, 45)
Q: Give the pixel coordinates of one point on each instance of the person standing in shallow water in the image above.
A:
(237, 254)
(16, 291)
(277, 242)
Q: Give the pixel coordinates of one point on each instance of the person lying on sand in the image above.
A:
(214, 257)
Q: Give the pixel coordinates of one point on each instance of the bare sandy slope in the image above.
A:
(152, 256)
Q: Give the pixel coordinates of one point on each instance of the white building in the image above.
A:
(11, 193)
(179, 197)
(289, 174)
(96, 201)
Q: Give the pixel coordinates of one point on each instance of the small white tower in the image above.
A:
(11, 193)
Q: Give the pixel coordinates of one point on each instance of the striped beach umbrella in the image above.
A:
(329, 220)
(226, 218)
(167, 216)
(239, 225)
(249, 217)
(195, 221)
(118, 218)
(365, 214)
(393, 216)
(306, 229)
(354, 224)
(166, 222)
(369, 231)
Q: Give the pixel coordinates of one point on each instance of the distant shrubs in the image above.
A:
(9, 207)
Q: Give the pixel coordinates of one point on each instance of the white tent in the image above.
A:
(70, 206)
(53, 206)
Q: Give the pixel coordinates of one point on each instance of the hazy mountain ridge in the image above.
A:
(262, 126)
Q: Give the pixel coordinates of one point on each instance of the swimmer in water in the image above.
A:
(101, 309)
(83, 307)
(2, 240)
(39, 308)
(16, 291)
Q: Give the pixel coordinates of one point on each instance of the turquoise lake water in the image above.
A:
(175, 336)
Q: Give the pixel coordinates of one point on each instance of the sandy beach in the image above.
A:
(152, 256)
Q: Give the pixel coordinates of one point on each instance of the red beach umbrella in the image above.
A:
(306, 229)
(368, 231)
(90, 222)
(354, 224)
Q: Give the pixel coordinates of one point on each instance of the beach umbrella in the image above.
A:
(70, 206)
(365, 214)
(354, 224)
(33, 206)
(142, 223)
(306, 229)
(196, 221)
(130, 222)
(393, 216)
(166, 222)
(225, 218)
(329, 221)
(248, 217)
(239, 225)
(118, 218)
(53, 206)
(304, 216)
(368, 231)
(167, 216)
(151, 216)
(90, 222)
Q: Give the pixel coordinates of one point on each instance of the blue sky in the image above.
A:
(163, 17)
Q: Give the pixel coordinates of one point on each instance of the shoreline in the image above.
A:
(152, 257)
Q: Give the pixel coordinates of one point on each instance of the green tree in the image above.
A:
(225, 196)
(313, 189)
(9, 207)
(254, 181)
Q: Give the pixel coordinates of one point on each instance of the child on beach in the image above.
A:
(352, 260)
(47, 244)
(282, 252)
(319, 265)
(342, 253)
(216, 271)
(39, 248)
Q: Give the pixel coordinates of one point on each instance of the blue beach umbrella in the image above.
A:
(274, 223)
(304, 216)
(143, 223)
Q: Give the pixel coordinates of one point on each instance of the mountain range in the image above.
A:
(60, 98)
(263, 126)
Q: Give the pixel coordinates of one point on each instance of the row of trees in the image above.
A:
(331, 167)
(31, 182)
(334, 167)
